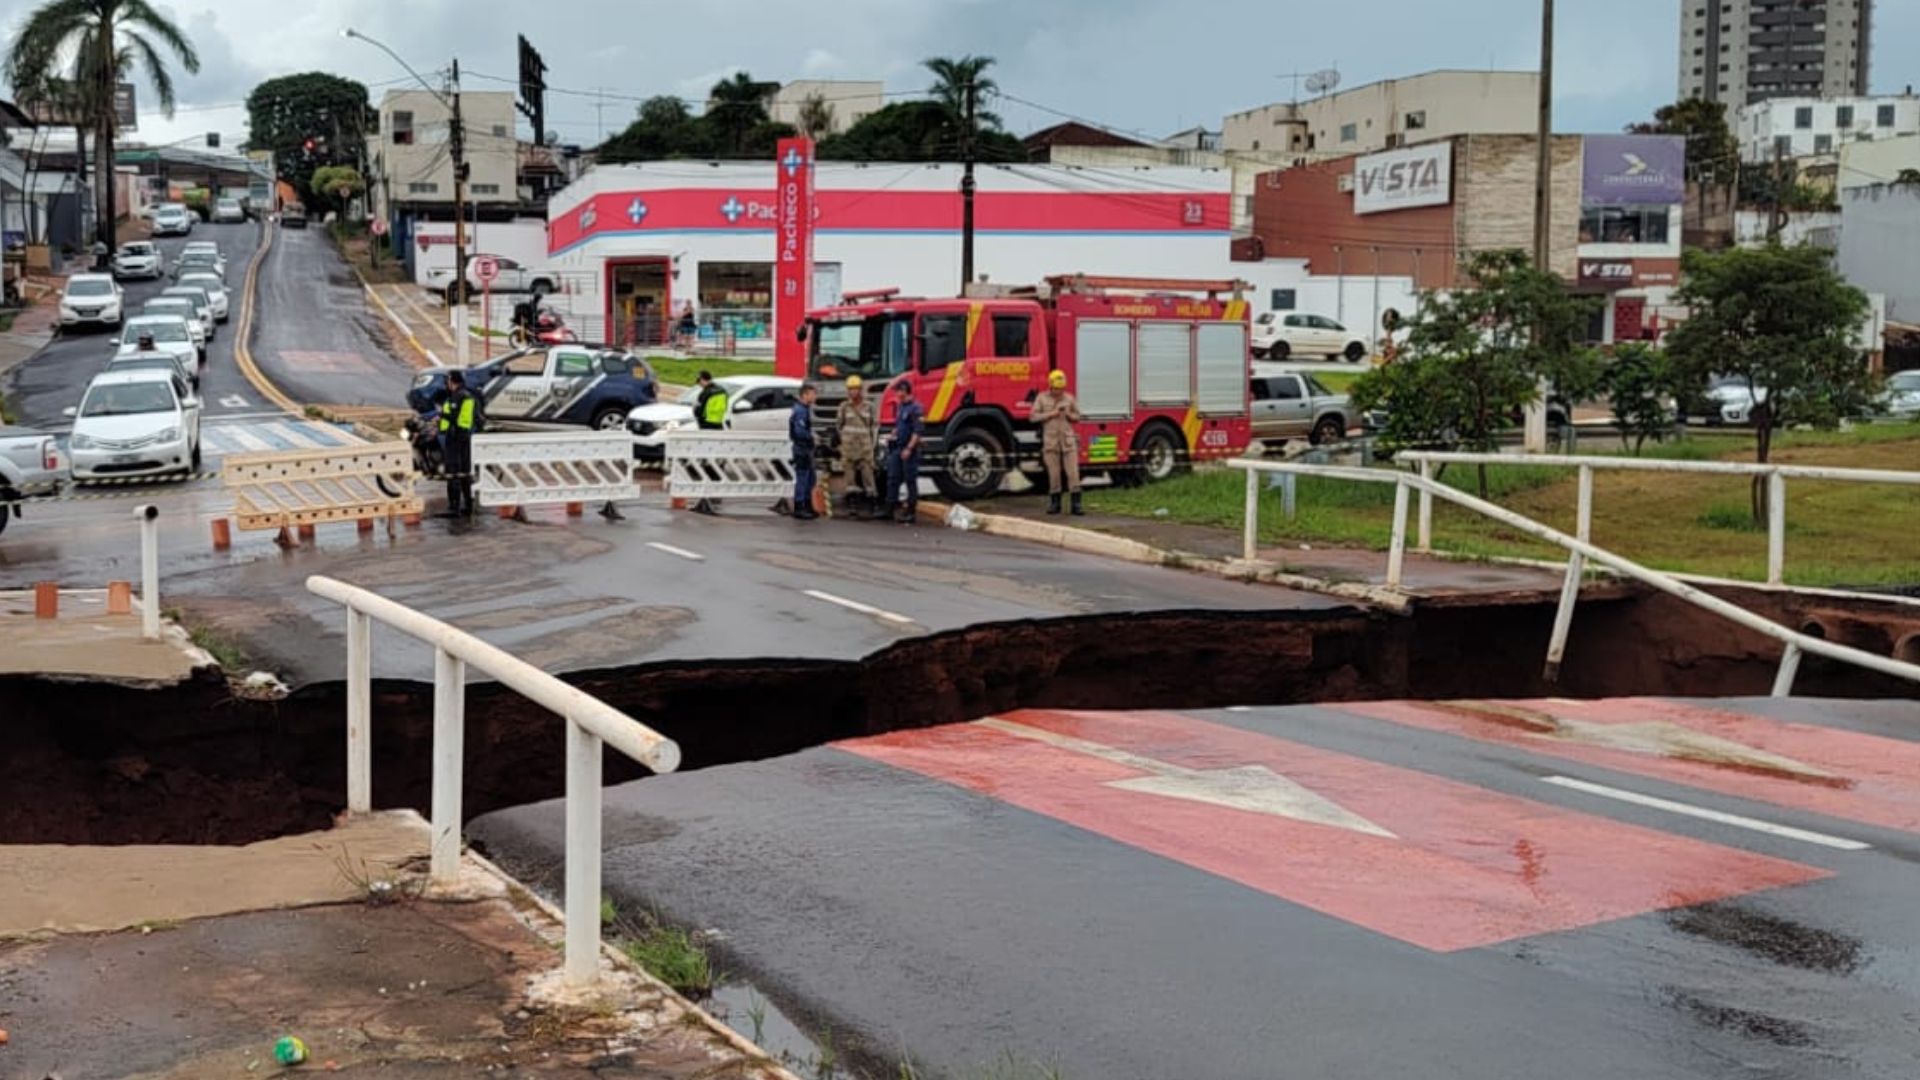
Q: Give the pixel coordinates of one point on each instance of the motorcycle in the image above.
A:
(423, 433)
(542, 324)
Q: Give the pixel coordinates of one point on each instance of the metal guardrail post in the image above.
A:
(1583, 514)
(449, 749)
(1776, 527)
(1249, 541)
(1789, 667)
(149, 570)
(583, 856)
(1570, 588)
(359, 712)
(1397, 552)
(1425, 539)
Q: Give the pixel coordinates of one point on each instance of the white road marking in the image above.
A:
(234, 401)
(855, 605)
(1254, 788)
(682, 552)
(1705, 814)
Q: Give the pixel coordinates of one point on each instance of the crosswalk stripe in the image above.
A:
(271, 435)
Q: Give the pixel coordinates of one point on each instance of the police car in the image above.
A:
(549, 386)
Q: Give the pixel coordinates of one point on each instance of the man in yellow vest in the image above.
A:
(1056, 412)
(458, 417)
(709, 414)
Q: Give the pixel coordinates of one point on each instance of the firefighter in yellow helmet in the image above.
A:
(857, 428)
(1056, 412)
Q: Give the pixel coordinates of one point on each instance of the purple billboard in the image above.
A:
(1633, 170)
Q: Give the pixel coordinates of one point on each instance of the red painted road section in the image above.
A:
(1877, 779)
(1466, 867)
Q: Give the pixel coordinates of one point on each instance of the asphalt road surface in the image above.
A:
(317, 337)
(1382, 890)
(41, 389)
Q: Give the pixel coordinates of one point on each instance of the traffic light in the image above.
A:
(307, 146)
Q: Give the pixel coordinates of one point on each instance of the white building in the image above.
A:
(411, 164)
(1880, 245)
(847, 102)
(1882, 161)
(1385, 114)
(1797, 127)
(1742, 51)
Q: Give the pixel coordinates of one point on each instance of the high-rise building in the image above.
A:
(1743, 51)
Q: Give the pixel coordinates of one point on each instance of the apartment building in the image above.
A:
(1803, 127)
(1744, 51)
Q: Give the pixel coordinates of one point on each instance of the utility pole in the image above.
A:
(1535, 416)
(457, 149)
(968, 151)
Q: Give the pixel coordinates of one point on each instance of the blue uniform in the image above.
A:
(909, 421)
(800, 430)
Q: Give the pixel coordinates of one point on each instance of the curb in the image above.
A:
(242, 355)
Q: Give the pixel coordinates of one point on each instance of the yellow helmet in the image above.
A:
(1057, 378)
(853, 382)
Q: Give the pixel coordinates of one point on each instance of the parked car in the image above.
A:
(216, 289)
(174, 333)
(92, 299)
(513, 278)
(30, 464)
(172, 219)
(139, 259)
(754, 403)
(1900, 398)
(199, 262)
(202, 305)
(196, 247)
(293, 217)
(550, 386)
(1295, 405)
(1728, 399)
(135, 423)
(155, 360)
(228, 211)
(175, 307)
(1280, 334)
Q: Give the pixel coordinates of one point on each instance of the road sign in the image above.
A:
(486, 268)
(379, 227)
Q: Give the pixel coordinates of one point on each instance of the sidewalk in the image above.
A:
(187, 962)
(30, 332)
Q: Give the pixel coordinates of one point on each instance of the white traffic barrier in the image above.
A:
(539, 468)
(728, 464)
(314, 487)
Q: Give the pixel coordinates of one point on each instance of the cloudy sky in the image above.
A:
(1143, 65)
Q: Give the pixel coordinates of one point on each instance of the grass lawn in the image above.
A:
(1837, 534)
(1337, 381)
(683, 371)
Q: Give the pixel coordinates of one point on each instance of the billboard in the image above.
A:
(61, 108)
(793, 252)
(1633, 170)
(1404, 179)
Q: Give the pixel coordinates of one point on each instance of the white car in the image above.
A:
(216, 289)
(92, 298)
(1730, 400)
(1901, 397)
(135, 423)
(513, 278)
(228, 212)
(202, 305)
(207, 247)
(1278, 335)
(173, 220)
(754, 403)
(139, 259)
(173, 334)
(178, 307)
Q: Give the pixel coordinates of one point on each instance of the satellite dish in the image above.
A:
(1322, 81)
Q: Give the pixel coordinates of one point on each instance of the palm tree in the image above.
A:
(951, 79)
(737, 105)
(99, 43)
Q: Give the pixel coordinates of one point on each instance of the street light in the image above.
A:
(456, 147)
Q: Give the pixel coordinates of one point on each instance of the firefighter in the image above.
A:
(459, 415)
(903, 454)
(1056, 412)
(858, 431)
(709, 414)
(800, 430)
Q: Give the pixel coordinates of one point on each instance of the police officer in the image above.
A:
(709, 414)
(458, 417)
(903, 454)
(1056, 412)
(800, 430)
(858, 431)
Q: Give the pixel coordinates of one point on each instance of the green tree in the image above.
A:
(1475, 357)
(1643, 385)
(1713, 154)
(1782, 322)
(662, 128)
(337, 184)
(310, 121)
(100, 43)
(735, 108)
(914, 131)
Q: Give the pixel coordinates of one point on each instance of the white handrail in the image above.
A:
(590, 723)
(1580, 551)
(1777, 476)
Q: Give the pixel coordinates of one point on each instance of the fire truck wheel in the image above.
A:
(975, 465)
(1157, 452)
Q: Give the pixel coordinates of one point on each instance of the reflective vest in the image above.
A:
(715, 410)
(463, 421)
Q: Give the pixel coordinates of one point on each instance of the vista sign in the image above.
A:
(1404, 179)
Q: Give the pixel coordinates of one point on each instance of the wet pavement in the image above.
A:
(1638, 888)
(318, 338)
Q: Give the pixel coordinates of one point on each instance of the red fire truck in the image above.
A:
(1159, 367)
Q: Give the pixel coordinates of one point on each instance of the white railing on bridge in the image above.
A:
(1580, 551)
(1776, 477)
(590, 723)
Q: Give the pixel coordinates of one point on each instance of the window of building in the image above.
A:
(1417, 120)
(1883, 116)
(737, 297)
(1843, 116)
(402, 127)
(426, 188)
(1696, 71)
(499, 131)
(1803, 118)
(1623, 225)
(1701, 51)
(1282, 299)
(1823, 144)
(486, 189)
(1011, 334)
(1783, 145)
(1350, 132)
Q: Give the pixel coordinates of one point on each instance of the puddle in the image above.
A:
(744, 1009)
(1770, 938)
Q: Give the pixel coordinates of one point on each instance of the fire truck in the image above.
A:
(1159, 366)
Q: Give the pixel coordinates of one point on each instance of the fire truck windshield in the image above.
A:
(876, 349)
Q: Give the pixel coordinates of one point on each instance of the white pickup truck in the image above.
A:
(30, 464)
(513, 277)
